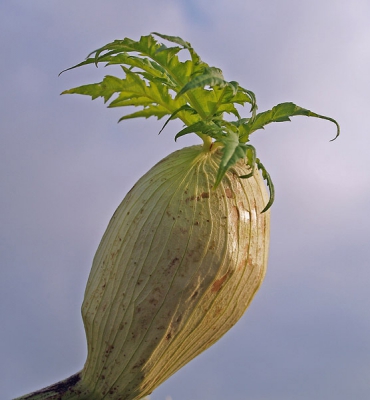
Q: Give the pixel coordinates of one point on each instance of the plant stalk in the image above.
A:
(71, 388)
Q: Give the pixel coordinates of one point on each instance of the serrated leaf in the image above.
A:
(174, 39)
(161, 85)
(186, 45)
(280, 113)
(250, 154)
(129, 100)
(210, 77)
(109, 86)
(232, 151)
(152, 67)
(150, 111)
(270, 185)
(185, 108)
(207, 128)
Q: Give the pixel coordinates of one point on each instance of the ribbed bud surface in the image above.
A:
(176, 268)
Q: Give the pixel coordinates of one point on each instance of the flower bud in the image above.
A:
(176, 268)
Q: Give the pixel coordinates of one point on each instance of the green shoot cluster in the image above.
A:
(161, 85)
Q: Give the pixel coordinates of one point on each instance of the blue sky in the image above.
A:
(65, 165)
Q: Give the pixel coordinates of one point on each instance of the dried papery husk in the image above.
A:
(176, 268)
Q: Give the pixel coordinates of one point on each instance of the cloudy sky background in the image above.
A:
(65, 164)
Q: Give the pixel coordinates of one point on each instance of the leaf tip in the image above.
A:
(338, 130)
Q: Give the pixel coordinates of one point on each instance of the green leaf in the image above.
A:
(206, 128)
(270, 185)
(210, 77)
(109, 86)
(159, 84)
(251, 161)
(232, 151)
(150, 111)
(154, 74)
(185, 108)
(174, 39)
(280, 113)
(186, 45)
(133, 91)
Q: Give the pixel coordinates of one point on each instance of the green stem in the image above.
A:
(207, 141)
(71, 388)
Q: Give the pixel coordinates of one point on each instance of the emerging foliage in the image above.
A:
(161, 85)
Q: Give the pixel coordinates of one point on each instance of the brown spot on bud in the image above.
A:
(218, 284)
(229, 193)
(195, 294)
